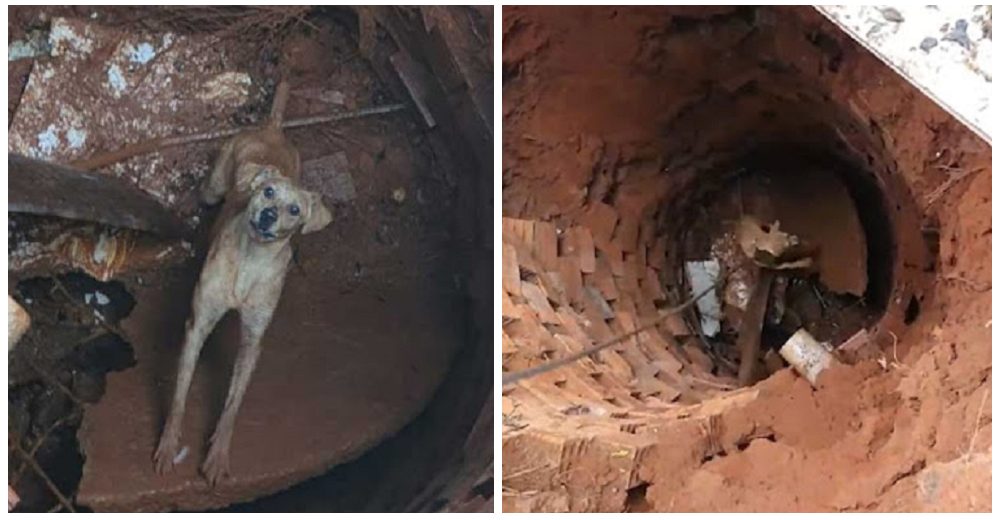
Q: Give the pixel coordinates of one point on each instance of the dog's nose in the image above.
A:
(267, 218)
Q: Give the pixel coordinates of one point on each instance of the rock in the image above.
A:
(88, 386)
(18, 322)
(330, 175)
(891, 15)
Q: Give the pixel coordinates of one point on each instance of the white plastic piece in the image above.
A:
(703, 275)
(806, 355)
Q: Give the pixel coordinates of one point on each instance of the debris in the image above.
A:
(928, 43)
(806, 355)
(702, 275)
(35, 45)
(330, 175)
(44, 188)
(891, 15)
(99, 251)
(97, 297)
(399, 195)
(227, 88)
(959, 34)
(415, 78)
(855, 342)
(768, 246)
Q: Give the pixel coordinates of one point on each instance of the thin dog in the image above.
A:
(257, 173)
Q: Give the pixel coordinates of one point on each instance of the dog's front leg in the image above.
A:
(204, 315)
(255, 320)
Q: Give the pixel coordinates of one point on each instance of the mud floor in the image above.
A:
(375, 308)
(635, 140)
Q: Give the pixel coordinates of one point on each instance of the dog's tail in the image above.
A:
(278, 105)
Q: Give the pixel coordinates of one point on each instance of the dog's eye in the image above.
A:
(293, 209)
(269, 192)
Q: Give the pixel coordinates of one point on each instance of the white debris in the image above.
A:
(230, 88)
(101, 298)
(36, 44)
(76, 137)
(141, 54)
(48, 142)
(181, 455)
(102, 249)
(116, 80)
(63, 39)
(703, 275)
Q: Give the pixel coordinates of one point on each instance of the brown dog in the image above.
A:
(257, 172)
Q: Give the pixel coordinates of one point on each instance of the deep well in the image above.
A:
(375, 376)
(627, 133)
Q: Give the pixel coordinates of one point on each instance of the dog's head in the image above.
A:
(278, 208)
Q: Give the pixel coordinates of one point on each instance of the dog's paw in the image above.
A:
(216, 465)
(166, 454)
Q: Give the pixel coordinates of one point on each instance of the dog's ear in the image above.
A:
(318, 215)
(251, 175)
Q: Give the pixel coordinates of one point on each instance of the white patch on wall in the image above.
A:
(48, 142)
(141, 54)
(116, 80)
(76, 137)
(64, 40)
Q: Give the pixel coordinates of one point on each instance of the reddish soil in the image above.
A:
(640, 109)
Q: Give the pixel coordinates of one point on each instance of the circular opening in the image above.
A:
(834, 210)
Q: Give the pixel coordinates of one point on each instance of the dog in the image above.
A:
(257, 174)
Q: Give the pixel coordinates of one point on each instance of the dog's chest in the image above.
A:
(257, 271)
(241, 272)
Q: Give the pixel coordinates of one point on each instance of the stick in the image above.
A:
(153, 145)
(34, 448)
(48, 482)
(513, 377)
(748, 342)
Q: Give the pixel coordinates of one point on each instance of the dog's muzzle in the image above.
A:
(265, 220)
